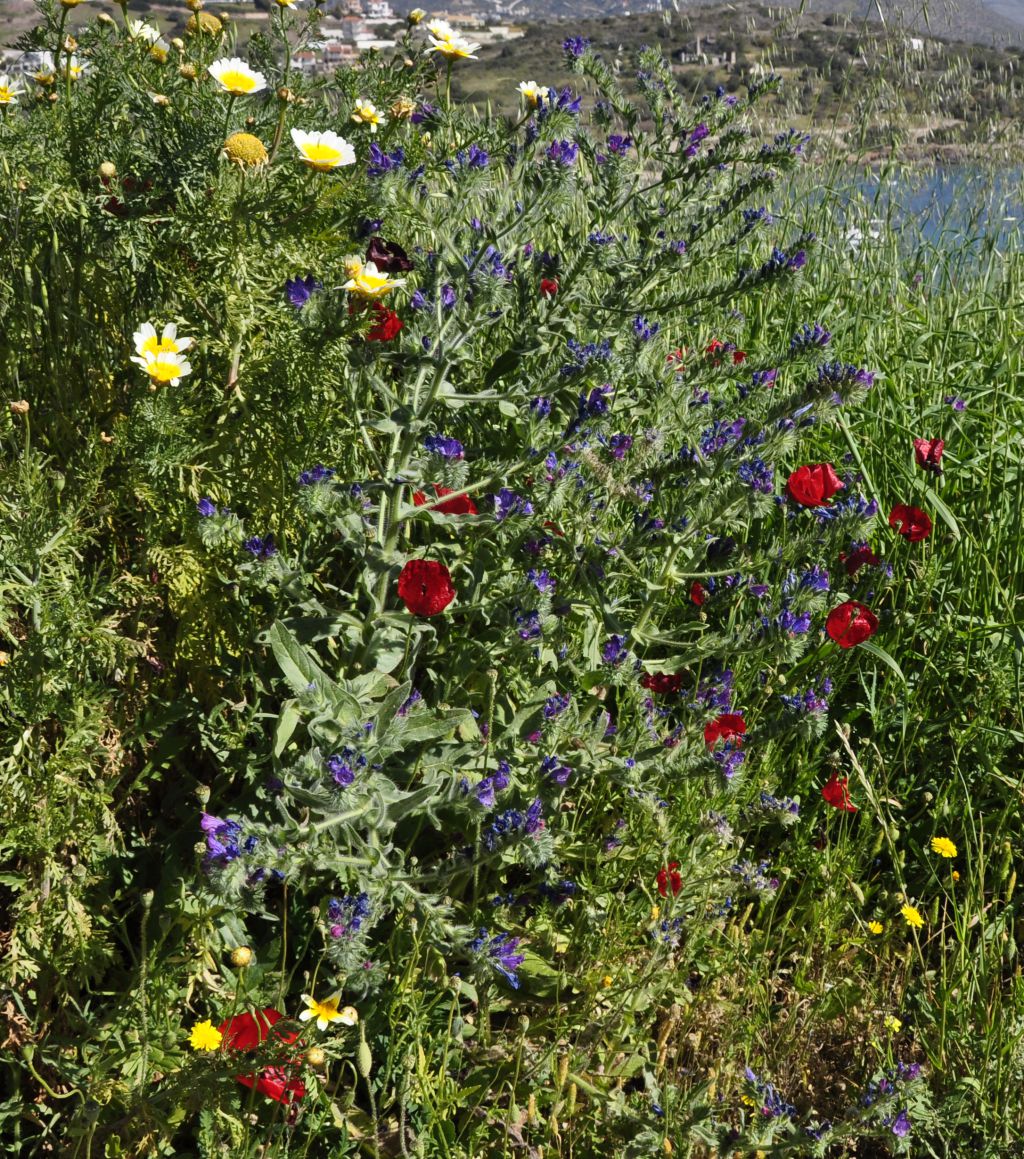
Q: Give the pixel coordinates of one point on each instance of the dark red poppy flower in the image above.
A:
(387, 324)
(928, 454)
(676, 358)
(246, 1031)
(813, 485)
(548, 287)
(851, 623)
(663, 683)
(554, 528)
(698, 593)
(730, 726)
(669, 878)
(460, 505)
(425, 587)
(739, 357)
(387, 256)
(911, 522)
(860, 555)
(836, 793)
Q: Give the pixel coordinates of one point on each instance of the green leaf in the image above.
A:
(944, 512)
(297, 665)
(287, 722)
(884, 656)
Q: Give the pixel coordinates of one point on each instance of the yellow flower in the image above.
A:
(875, 927)
(10, 90)
(956, 874)
(416, 15)
(164, 368)
(245, 149)
(147, 342)
(286, 3)
(943, 847)
(453, 47)
(532, 93)
(327, 1012)
(367, 281)
(655, 912)
(204, 22)
(205, 1036)
(236, 77)
(892, 1024)
(73, 67)
(606, 981)
(323, 151)
(367, 113)
(159, 50)
(912, 916)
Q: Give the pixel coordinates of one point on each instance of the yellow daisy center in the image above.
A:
(321, 156)
(155, 346)
(237, 82)
(6, 96)
(164, 371)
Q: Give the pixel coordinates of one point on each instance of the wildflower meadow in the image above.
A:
(508, 622)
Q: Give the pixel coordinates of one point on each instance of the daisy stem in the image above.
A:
(227, 117)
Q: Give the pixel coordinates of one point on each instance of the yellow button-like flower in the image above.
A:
(875, 927)
(327, 1012)
(147, 342)
(912, 916)
(236, 77)
(323, 151)
(10, 90)
(205, 1036)
(367, 113)
(245, 150)
(892, 1024)
(453, 47)
(607, 981)
(368, 282)
(204, 22)
(943, 847)
(532, 93)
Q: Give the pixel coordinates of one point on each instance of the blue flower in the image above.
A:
(381, 162)
(555, 705)
(554, 768)
(809, 336)
(317, 474)
(955, 402)
(541, 580)
(643, 329)
(300, 290)
(562, 152)
(206, 508)
(500, 952)
(507, 503)
(448, 297)
(575, 46)
(444, 446)
(260, 547)
(619, 145)
(758, 474)
(901, 1124)
(615, 650)
(541, 407)
(221, 839)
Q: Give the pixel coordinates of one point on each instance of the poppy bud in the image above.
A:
(19, 407)
(315, 1056)
(241, 956)
(108, 170)
(364, 1059)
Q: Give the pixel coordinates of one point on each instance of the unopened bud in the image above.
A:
(160, 100)
(108, 170)
(315, 1056)
(285, 94)
(70, 44)
(178, 43)
(188, 71)
(20, 407)
(104, 18)
(364, 1059)
(416, 15)
(241, 956)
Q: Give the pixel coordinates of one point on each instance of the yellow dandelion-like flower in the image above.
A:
(912, 916)
(606, 981)
(892, 1024)
(956, 875)
(943, 847)
(875, 927)
(369, 282)
(245, 150)
(367, 113)
(205, 1036)
(327, 1012)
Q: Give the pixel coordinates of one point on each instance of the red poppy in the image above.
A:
(549, 526)
(275, 1084)
(676, 358)
(387, 325)
(730, 726)
(739, 357)
(663, 683)
(851, 623)
(548, 287)
(698, 593)
(928, 453)
(425, 587)
(836, 794)
(460, 505)
(813, 485)
(911, 522)
(246, 1031)
(669, 878)
(859, 557)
